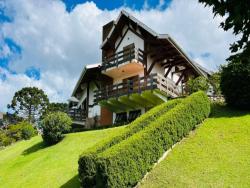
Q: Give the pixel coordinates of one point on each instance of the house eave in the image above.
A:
(87, 67)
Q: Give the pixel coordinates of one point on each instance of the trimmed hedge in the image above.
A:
(87, 161)
(124, 164)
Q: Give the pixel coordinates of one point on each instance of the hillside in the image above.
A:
(31, 164)
(215, 155)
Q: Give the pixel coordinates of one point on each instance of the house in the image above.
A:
(139, 69)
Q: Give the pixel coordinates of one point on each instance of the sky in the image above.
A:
(47, 43)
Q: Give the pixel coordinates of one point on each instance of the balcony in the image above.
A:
(78, 115)
(124, 62)
(144, 92)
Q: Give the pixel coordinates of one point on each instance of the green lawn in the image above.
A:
(31, 164)
(217, 154)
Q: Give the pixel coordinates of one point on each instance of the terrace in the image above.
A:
(124, 62)
(146, 91)
(77, 115)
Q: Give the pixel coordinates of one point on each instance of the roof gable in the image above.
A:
(126, 18)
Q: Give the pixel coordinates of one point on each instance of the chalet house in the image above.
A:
(139, 69)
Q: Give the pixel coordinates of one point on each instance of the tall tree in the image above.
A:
(29, 103)
(237, 17)
(57, 107)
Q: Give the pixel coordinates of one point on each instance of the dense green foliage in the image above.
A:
(197, 84)
(56, 107)
(87, 161)
(94, 162)
(237, 18)
(5, 140)
(54, 125)
(29, 103)
(124, 164)
(215, 80)
(20, 131)
(235, 84)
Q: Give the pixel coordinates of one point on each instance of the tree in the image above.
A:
(29, 103)
(57, 107)
(235, 84)
(199, 83)
(237, 13)
(215, 80)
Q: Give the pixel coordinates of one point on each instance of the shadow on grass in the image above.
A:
(34, 148)
(72, 183)
(221, 110)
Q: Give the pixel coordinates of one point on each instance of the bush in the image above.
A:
(28, 131)
(4, 139)
(22, 130)
(198, 84)
(125, 163)
(87, 161)
(54, 125)
(235, 84)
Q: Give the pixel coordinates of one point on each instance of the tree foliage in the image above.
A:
(237, 14)
(235, 84)
(197, 84)
(58, 107)
(214, 80)
(29, 103)
(53, 127)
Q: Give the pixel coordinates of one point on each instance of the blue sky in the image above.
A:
(112, 4)
(16, 50)
(46, 43)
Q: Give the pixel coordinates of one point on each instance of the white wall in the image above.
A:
(130, 38)
(157, 67)
(96, 110)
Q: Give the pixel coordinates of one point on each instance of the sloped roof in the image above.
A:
(88, 69)
(167, 37)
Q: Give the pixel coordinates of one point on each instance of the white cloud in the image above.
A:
(56, 86)
(61, 43)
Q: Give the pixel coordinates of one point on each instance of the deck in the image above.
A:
(122, 57)
(78, 116)
(144, 92)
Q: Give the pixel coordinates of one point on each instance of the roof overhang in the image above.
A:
(87, 75)
(125, 15)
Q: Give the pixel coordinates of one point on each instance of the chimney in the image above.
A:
(106, 29)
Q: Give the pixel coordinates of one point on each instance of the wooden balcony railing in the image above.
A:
(77, 114)
(151, 82)
(123, 56)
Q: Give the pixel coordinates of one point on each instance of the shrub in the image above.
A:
(54, 125)
(235, 87)
(4, 139)
(197, 84)
(87, 161)
(28, 131)
(125, 163)
(22, 130)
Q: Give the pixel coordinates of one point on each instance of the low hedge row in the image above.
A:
(87, 161)
(125, 163)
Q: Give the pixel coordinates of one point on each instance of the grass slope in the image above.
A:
(31, 164)
(217, 154)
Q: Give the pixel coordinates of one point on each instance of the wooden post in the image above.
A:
(87, 100)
